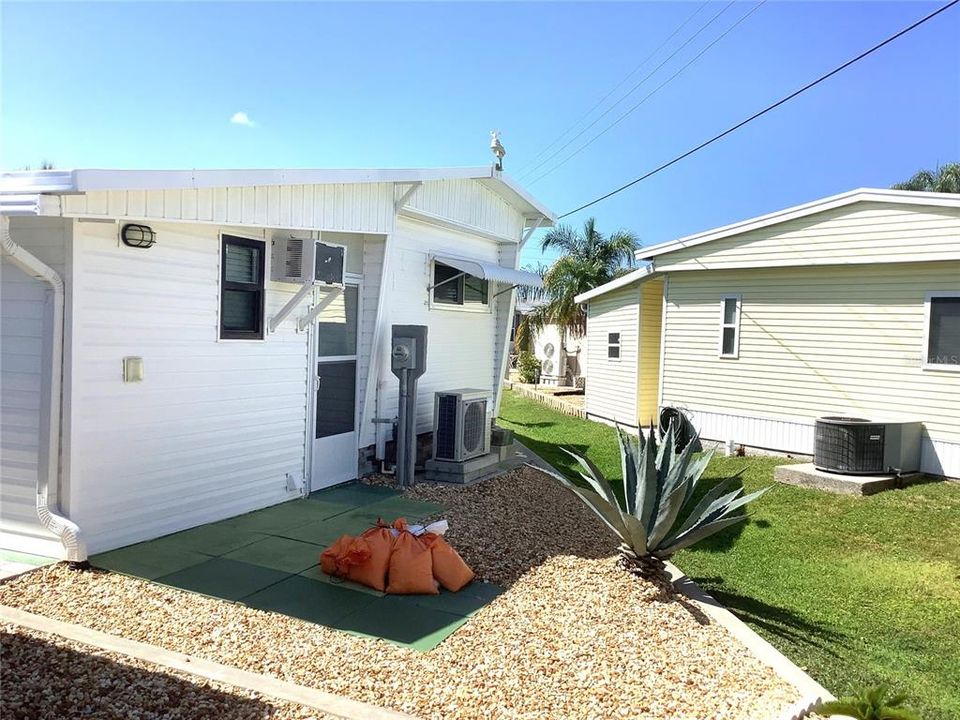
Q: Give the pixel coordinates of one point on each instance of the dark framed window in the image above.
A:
(453, 287)
(943, 331)
(241, 288)
(613, 346)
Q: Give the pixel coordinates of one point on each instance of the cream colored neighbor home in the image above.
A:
(846, 305)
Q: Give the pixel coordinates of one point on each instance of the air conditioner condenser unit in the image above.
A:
(461, 426)
(302, 260)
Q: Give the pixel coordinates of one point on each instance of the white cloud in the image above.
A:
(241, 118)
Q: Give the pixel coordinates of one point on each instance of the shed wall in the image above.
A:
(611, 388)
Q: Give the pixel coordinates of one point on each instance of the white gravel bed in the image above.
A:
(45, 676)
(573, 637)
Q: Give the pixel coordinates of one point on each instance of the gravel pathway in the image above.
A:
(44, 677)
(573, 637)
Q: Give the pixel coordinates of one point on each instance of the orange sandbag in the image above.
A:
(372, 572)
(411, 568)
(345, 553)
(448, 567)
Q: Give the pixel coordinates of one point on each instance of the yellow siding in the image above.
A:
(651, 320)
(865, 232)
(813, 341)
(611, 391)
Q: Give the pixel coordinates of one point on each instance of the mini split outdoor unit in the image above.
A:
(858, 446)
(461, 429)
(303, 260)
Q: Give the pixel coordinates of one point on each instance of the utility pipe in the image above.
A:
(48, 478)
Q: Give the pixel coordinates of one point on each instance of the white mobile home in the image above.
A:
(163, 365)
(849, 305)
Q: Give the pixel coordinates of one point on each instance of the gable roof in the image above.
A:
(631, 277)
(903, 197)
(55, 182)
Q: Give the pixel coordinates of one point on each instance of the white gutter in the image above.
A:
(49, 511)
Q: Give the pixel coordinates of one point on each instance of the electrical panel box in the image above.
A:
(408, 350)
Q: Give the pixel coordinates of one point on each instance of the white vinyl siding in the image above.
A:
(468, 203)
(25, 328)
(461, 347)
(813, 341)
(214, 427)
(360, 207)
(861, 233)
(611, 388)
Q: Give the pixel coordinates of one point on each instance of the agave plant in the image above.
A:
(660, 513)
(869, 704)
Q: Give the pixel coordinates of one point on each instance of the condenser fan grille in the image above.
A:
(474, 424)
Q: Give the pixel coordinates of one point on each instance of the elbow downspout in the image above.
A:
(51, 517)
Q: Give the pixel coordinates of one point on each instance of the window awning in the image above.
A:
(492, 271)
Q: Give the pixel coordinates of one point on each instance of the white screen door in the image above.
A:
(335, 457)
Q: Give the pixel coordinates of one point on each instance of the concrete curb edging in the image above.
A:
(336, 705)
(811, 692)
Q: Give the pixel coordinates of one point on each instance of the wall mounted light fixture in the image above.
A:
(138, 236)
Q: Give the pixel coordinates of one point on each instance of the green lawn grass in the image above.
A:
(858, 591)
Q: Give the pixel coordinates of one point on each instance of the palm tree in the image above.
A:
(945, 179)
(589, 259)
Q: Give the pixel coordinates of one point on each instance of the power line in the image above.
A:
(616, 87)
(767, 109)
(629, 92)
(649, 95)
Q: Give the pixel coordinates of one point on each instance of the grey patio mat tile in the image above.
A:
(279, 553)
(310, 600)
(399, 621)
(222, 578)
(148, 560)
(213, 539)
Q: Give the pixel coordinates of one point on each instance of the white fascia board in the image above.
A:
(622, 281)
(514, 193)
(902, 197)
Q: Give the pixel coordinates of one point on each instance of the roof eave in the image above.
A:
(638, 275)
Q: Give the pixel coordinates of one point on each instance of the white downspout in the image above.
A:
(49, 511)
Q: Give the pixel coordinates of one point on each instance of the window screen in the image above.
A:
(943, 336)
(241, 288)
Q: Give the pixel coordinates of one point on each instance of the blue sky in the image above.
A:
(399, 85)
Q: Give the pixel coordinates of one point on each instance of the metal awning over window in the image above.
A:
(492, 272)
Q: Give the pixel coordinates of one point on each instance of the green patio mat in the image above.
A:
(310, 600)
(279, 553)
(316, 573)
(148, 560)
(466, 602)
(225, 579)
(277, 518)
(213, 539)
(396, 619)
(324, 532)
(353, 494)
(397, 507)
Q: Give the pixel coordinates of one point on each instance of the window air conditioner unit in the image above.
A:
(461, 429)
(858, 446)
(304, 260)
